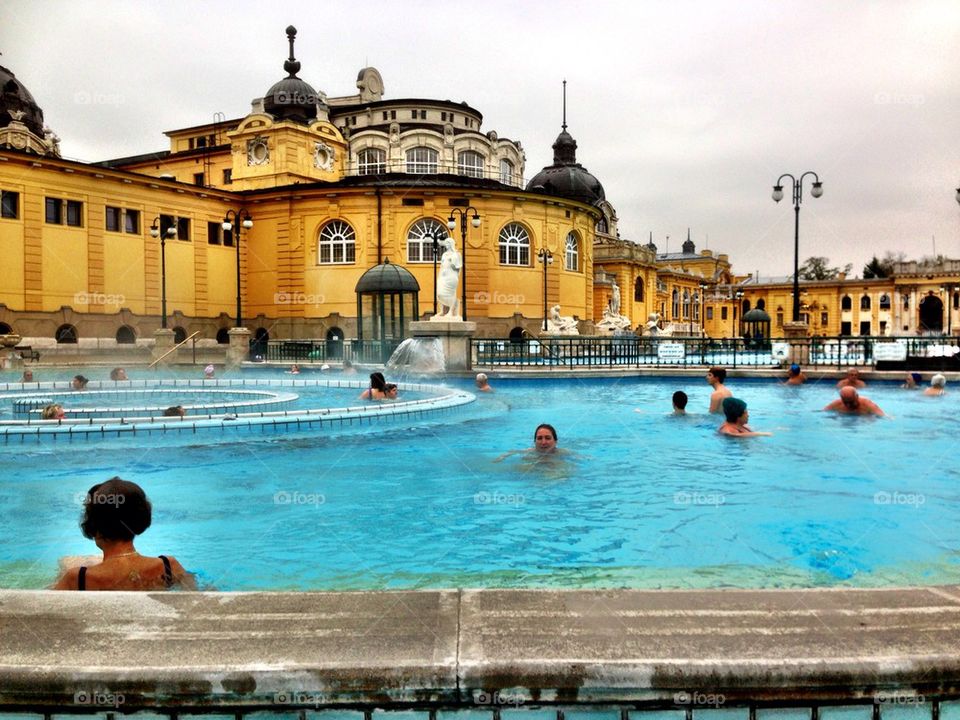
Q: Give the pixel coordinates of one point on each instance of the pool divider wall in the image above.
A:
(480, 650)
(438, 400)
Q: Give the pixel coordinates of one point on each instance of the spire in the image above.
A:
(564, 126)
(688, 246)
(291, 65)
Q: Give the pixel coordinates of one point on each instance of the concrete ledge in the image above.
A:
(453, 648)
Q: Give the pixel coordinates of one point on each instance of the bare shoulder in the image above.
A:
(68, 580)
(181, 576)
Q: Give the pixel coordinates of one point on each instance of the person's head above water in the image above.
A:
(849, 396)
(794, 370)
(733, 409)
(378, 381)
(719, 374)
(545, 438)
(680, 400)
(115, 510)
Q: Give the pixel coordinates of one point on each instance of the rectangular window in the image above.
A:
(423, 114)
(74, 213)
(112, 219)
(823, 318)
(779, 319)
(53, 210)
(393, 114)
(131, 221)
(413, 114)
(228, 176)
(723, 313)
(864, 327)
(385, 115)
(9, 204)
(198, 179)
(443, 117)
(228, 237)
(201, 142)
(167, 222)
(183, 229)
(213, 233)
(709, 313)
(845, 328)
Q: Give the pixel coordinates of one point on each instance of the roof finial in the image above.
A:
(688, 234)
(291, 65)
(564, 104)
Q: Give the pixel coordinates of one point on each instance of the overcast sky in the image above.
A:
(687, 112)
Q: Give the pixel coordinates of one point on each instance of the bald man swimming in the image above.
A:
(852, 403)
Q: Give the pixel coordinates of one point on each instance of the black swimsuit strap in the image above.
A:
(82, 578)
(167, 570)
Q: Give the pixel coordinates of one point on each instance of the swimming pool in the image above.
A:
(644, 501)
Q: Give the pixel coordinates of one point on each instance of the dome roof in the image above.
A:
(387, 278)
(566, 177)
(15, 98)
(292, 98)
(756, 315)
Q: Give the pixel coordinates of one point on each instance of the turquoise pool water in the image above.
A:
(643, 500)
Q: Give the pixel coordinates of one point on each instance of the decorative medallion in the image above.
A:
(258, 152)
(323, 156)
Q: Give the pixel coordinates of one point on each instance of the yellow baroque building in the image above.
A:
(268, 221)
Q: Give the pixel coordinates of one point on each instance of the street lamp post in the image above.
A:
(816, 191)
(170, 232)
(435, 237)
(242, 220)
(546, 258)
(452, 224)
(703, 293)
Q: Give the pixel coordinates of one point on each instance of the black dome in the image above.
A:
(292, 98)
(387, 278)
(14, 97)
(566, 177)
(756, 315)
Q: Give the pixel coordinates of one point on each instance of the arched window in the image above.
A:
(179, 335)
(371, 161)
(223, 336)
(517, 334)
(865, 302)
(514, 245)
(602, 226)
(846, 303)
(5, 329)
(686, 303)
(746, 306)
(338, 244)
(66, 334)
(638, 289)
(884, 302)
(126, 335)
(675, 305)
(422, 161)
(571, 258)
(470, 163)
(761, 304)
(506, 172)
(420, 239)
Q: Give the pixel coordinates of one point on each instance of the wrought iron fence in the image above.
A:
(888, 353)
(373, 352)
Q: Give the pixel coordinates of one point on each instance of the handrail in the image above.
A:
(175, 347)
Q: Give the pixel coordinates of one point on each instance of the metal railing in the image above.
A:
(373, 352)
(941, 353)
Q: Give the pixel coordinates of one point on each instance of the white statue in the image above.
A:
(447, 281)
(561, 325)
(615, 300)
(612, 319)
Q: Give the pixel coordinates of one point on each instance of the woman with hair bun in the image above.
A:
(114, 512)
